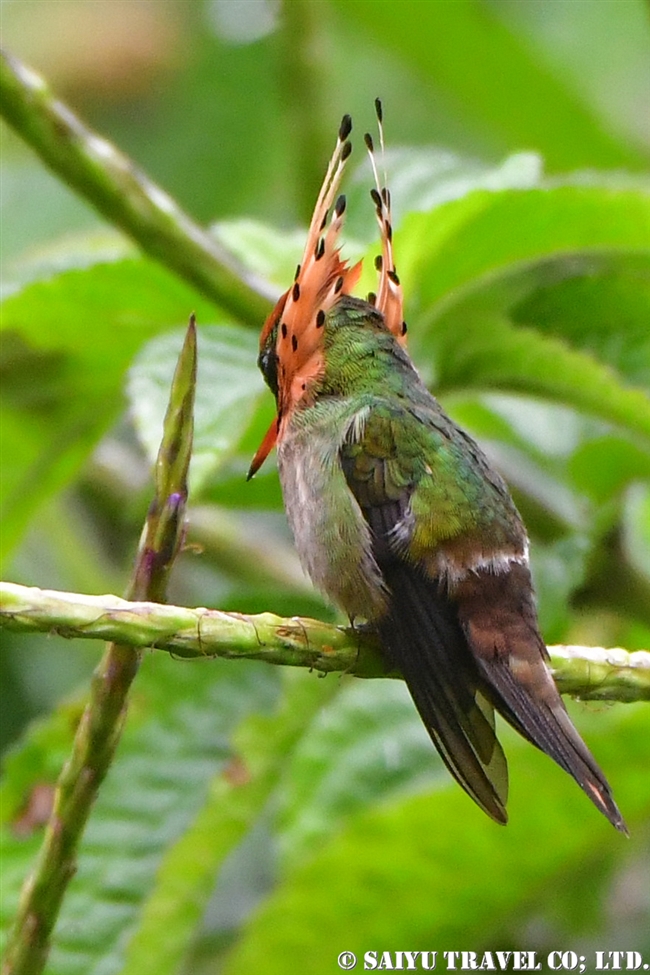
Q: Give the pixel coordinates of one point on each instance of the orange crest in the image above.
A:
(389, 299)
(292, 333)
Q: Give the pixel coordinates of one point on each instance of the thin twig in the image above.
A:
(593, 673)
(101, 724)
(115, 186)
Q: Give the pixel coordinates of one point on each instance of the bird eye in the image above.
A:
(268, 365)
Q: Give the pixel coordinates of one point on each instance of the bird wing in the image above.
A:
(465, 653)
(420, 631)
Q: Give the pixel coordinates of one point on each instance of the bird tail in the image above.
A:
(498, 617)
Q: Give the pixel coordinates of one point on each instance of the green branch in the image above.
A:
(591, 673)
(101, 724)
(123, 194)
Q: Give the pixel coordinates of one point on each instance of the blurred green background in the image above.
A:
(518, 137)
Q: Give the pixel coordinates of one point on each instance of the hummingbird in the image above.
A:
(398, 516)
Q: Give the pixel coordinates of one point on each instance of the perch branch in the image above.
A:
(591, 673)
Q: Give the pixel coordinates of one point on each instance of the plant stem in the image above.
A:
(101, 724)
(302, 75)
(122, 193)
(592, 673)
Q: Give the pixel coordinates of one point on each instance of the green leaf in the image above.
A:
(365, 746)
(470, 266)
(67, 341)
(603, 466)
(512, 97)
(468, 243)
(186, 878)
(177, 739)
(422, 178)
(74, 251)
(40, 453)
(492, 354)
(230, 391)
(430, 871)
(270, 252)
(606, 314)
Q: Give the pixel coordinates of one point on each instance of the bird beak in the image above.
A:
(264, 449)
